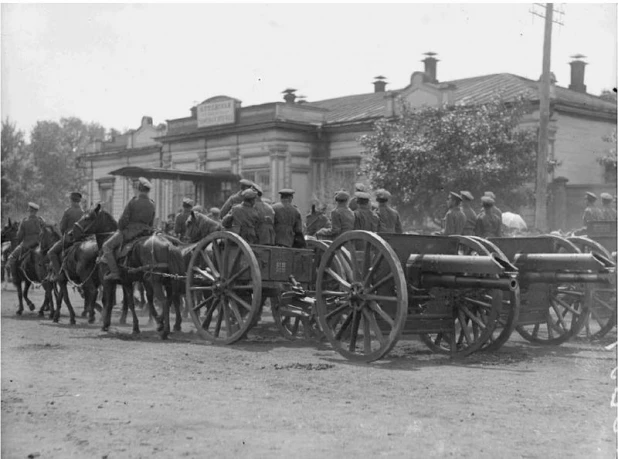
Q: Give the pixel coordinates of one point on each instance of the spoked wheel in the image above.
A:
(602, 317)
(362, 316)
(482, 318)
(223, 287)
(567, 311)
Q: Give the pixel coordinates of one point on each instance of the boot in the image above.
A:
(114, 272)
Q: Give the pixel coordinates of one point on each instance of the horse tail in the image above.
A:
(175, 261)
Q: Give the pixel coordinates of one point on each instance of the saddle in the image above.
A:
(124, 251)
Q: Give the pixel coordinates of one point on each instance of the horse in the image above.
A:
(78, 266)
(31, 268)
(153, 260)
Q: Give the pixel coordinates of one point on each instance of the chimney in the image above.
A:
(146, 120)
(578, 69)
(194, 112)
(289, 97)
(431, 62)
(379, 84)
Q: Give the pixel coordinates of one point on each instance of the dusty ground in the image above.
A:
(76, 392)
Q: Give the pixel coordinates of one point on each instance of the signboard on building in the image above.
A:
(216, 111)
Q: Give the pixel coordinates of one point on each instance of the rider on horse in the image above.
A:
(136, 220)
(71, 215)
(27, 236)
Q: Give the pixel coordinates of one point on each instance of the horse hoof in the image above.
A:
(84, 313)
(164, 336)
(55, 320)
(178, 329)
(91, 320)
(135, 332)
(41, 313)
(18, 312)
(105, 328)
(73, 322)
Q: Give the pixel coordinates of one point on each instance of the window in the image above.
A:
(261, 178)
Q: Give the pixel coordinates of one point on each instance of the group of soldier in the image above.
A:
(593, 213)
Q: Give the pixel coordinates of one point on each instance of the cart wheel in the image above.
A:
(602, 317)
(223, 287)
(483, 318)
(362, 316)
(568, 307)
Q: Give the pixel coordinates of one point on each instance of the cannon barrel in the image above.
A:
(453, 281)
(459, 264)
(553, 262)
(558, 277)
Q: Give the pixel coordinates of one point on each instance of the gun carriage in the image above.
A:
(367, 290)
(557, 281)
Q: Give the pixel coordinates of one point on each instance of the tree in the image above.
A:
(19, 173)
(423, 154)
(610, 159)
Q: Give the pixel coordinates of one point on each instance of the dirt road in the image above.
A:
(76, 392)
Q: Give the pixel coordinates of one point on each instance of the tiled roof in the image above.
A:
(476, 90)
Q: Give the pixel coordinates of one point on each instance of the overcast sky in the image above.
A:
(114, 63)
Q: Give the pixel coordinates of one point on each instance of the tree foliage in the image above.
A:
(424, 153)
(610, 159)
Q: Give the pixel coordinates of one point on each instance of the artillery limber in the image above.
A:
(367, 290)
(556, 280)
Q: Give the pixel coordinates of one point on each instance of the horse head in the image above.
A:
(49, 234)
(94, 221)
(9, 231)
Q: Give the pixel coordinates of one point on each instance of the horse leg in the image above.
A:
(125, 306)
(108, 299)
(165, 303)
(172, 292)
(152, 311)
(128, 298)
(30, 304)
(63, 286)
(90, 299)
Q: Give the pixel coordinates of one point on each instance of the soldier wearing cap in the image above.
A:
(358, 188)
(27, 236)
(243, 219)
(390, 221)
(364, 218)
(71, 215)
(494, 209)
(181, 218)
(488, 224)
(266, 224)
(214, 213)
(341, 218)
(288, 221)
(316, 220)
(136, 220)
(454, 220)
(608, 212)
(469, 213)
(236, 198)
(592, 212)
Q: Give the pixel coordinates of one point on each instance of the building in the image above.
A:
(313, 146)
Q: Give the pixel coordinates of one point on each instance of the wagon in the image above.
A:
(557, 282)
(367, 290)
(600, 238)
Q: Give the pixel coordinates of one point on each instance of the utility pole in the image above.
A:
(543, 146)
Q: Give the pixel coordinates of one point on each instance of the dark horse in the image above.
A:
(30, 269)
(153, 260)
(79, 267)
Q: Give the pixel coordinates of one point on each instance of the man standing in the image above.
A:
(27, 236)
(71, 215)
(243, 219)
(466, 208)
(488, 224)
(608, 211)
(455, 220)
(341, 218)
(358, 188)
(494, 209)
(592, 212)
(288, 222)
(364, 218)
(136, 219)
(390, 221)
(180, 223)
(265, 228)
(214, 214)
(316, 220)
(236, 198)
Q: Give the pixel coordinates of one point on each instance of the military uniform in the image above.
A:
(608, 213)
(136, 219)
(288, 222)
(243, 218)
(390, 221)
(236, 198)
(27, 236)
(315, 222)
(200, 226)
(454, 220)
(69, 218)
(488, 224)
(591, 213)
(266, 224)
(469, 213)
(364, 218)
(341, 218)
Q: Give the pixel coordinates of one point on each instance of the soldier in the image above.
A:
(466, 208)
(27, 236)
(608, 211)
(488, 224)
(358, 188)
(236, 198)
(181, 219)
(316, 220)
(244, 218)
(71, 215)
(494, 209)
(454, 220)
(341, 218)
(390, 222)
(199, 226)
(288, 222)
(214, 214)
(136, 219)
(365, 218)
(592, 212)
(265, 229)
(199, 209)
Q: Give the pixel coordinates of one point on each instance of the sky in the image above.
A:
(114, 63)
